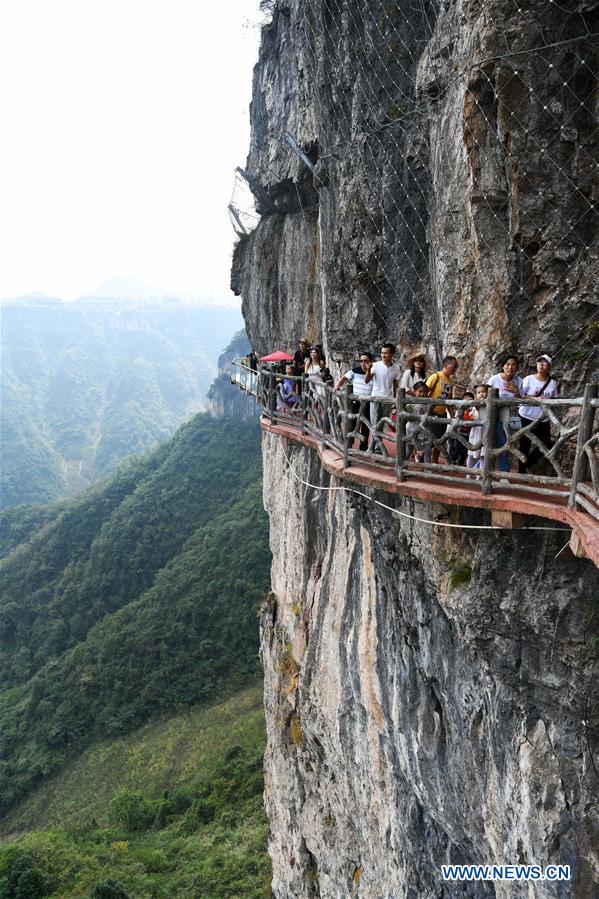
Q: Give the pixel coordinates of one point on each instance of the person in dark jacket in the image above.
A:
(301, 356)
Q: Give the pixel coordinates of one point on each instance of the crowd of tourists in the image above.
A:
(379, 380)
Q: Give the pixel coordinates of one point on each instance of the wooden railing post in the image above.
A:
(400, 433)
(347, 389)
(304, 403)
(585, 431)
(260, 390)
(272, 396)
(489, 440)
(326, 409)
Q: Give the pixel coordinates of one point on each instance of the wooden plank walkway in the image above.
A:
(504, 504)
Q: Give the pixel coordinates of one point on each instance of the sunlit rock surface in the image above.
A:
(426, 696)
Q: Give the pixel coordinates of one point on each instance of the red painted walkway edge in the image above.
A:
(443, 493)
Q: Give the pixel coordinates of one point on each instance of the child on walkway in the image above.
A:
(475, 458)
(420, 438)
(457, 452)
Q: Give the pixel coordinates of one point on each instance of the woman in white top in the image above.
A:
(509, 386)
(314, 367)
(415, 373)
(543, 386)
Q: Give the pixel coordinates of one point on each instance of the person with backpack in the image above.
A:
(441, 384)
(540, 386)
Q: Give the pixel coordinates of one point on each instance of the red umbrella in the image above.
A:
(277, 356)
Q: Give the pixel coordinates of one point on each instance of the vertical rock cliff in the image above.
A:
(431, 693)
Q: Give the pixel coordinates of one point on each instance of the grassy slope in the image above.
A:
(161, 755)
(181, 856)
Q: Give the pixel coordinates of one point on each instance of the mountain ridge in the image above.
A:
(86, 384)
(137, 596)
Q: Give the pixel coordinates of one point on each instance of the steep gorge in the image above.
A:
(431, 694)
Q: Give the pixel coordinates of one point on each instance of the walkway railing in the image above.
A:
(376, 433)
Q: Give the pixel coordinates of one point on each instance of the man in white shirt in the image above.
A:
(357, 377)
(385, 376)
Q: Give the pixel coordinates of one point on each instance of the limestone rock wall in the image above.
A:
(431, 693)
(453, 206)
(428, 696)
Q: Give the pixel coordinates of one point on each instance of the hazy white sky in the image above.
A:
(122, 122)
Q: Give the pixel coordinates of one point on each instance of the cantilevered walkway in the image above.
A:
(332, 422)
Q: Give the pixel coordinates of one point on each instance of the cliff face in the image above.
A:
(431, 693)
(426, 697)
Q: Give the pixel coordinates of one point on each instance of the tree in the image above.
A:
(131, 811)
(110, 889)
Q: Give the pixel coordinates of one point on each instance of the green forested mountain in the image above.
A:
(137, 597)
(85, 384)
(131, 728)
